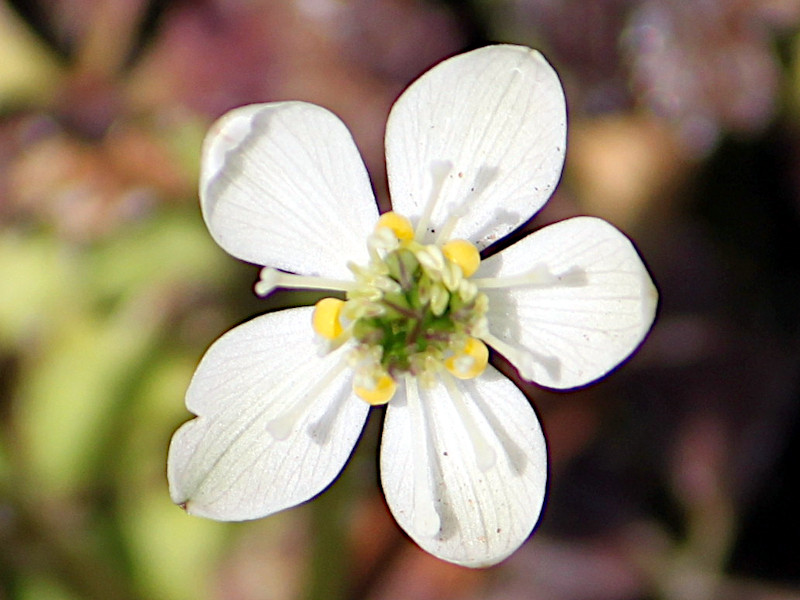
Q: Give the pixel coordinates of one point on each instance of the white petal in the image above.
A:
(464, 474)
(276, 422)
(590, 304)
(491, 125)
(283, 185)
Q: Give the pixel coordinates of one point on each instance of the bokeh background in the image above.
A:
(671, 479)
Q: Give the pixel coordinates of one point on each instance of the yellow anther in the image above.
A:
(398, 224)
(326, 318)
(464, 254)
(470, 362)
(376, 391)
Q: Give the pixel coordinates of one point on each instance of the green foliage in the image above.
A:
(96, 388)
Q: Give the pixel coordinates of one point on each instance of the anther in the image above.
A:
(432, 260)
(470, 362)
(468, 291)
(382, 240)
(439, 299)
(451, 276)
(464, 254)
(374, 390)
(326, 318)
(400, 226)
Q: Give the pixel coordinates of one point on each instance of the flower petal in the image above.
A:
(276, 422)
(588, 303)
(482, 133)
(283, 185)
(464, 467)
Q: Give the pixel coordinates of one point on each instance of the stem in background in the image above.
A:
(328, 572)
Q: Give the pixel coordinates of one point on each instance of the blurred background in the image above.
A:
(671, 479)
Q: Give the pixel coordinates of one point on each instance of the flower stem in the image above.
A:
(328, 574)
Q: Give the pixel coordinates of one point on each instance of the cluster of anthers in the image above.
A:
(412, 309)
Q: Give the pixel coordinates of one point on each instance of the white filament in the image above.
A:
(281, 427)
(439, 172)
(524, 360)
(539, 276)
(426, 519)
(484, 453)
(271, 279)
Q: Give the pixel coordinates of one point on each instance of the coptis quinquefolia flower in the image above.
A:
(474, 148)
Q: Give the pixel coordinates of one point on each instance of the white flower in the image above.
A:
(473, 149)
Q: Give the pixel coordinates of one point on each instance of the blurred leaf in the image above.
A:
(41, 277)
(184, 138)
(72, 388)
(173, 554)
(175, 248)
(157, 412)
(42, 588)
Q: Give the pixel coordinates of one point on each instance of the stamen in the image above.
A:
(381, 240)
(387, 284)
(451, 276)
(364, 275)
(439, 299)
(412, 305)
(271, 279)
(539, 276)
(464, 254)
(454, 214)
(480, 328)
(470, 361)
(282, 426)
(426, 519)
(467, 290)
(523, 359)
(374, 389)
(401, 226)
(326, 318)
(439, 171)
(432, 260)
(484, 453)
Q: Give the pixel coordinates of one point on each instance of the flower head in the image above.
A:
(474, 148)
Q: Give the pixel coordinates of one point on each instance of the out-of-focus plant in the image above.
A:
(669, 480)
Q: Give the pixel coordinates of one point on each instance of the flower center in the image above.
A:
(412, 310)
